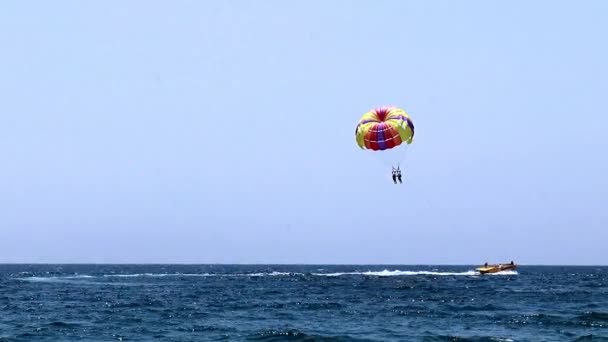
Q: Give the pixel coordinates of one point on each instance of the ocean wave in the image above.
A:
(593, 319)
(591, 337)
(440, 338)
(594, 315)
(296, 335)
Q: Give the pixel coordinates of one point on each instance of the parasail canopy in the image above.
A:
(384, 128)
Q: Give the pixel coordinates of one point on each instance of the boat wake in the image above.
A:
(388, 273)
(383, 273)
(396, 273)
(502, 273)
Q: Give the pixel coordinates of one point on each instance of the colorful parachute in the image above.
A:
(384, 128)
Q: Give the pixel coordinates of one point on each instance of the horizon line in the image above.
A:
(281, 264)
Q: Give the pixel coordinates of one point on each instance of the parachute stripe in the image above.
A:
(375, 137)
(410, 124)
(369, 142)
(367, 121)
(393, 135)
(380, 137)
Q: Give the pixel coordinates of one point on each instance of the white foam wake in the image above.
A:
(504, 273)
(388, 273)
(258, 274)
(160, 275)
(384, 273)
(57, 278)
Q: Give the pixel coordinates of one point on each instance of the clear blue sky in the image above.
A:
(223, 131)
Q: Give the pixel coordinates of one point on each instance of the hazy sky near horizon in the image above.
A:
(223, 131)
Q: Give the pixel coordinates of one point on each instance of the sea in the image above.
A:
(301, 303)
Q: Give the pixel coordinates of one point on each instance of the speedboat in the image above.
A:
(496, 268)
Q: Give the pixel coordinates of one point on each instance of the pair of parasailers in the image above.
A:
(397, 175)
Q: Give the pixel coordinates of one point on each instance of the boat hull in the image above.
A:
(496, 268)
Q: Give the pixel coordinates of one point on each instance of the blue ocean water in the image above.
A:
(301, 303)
